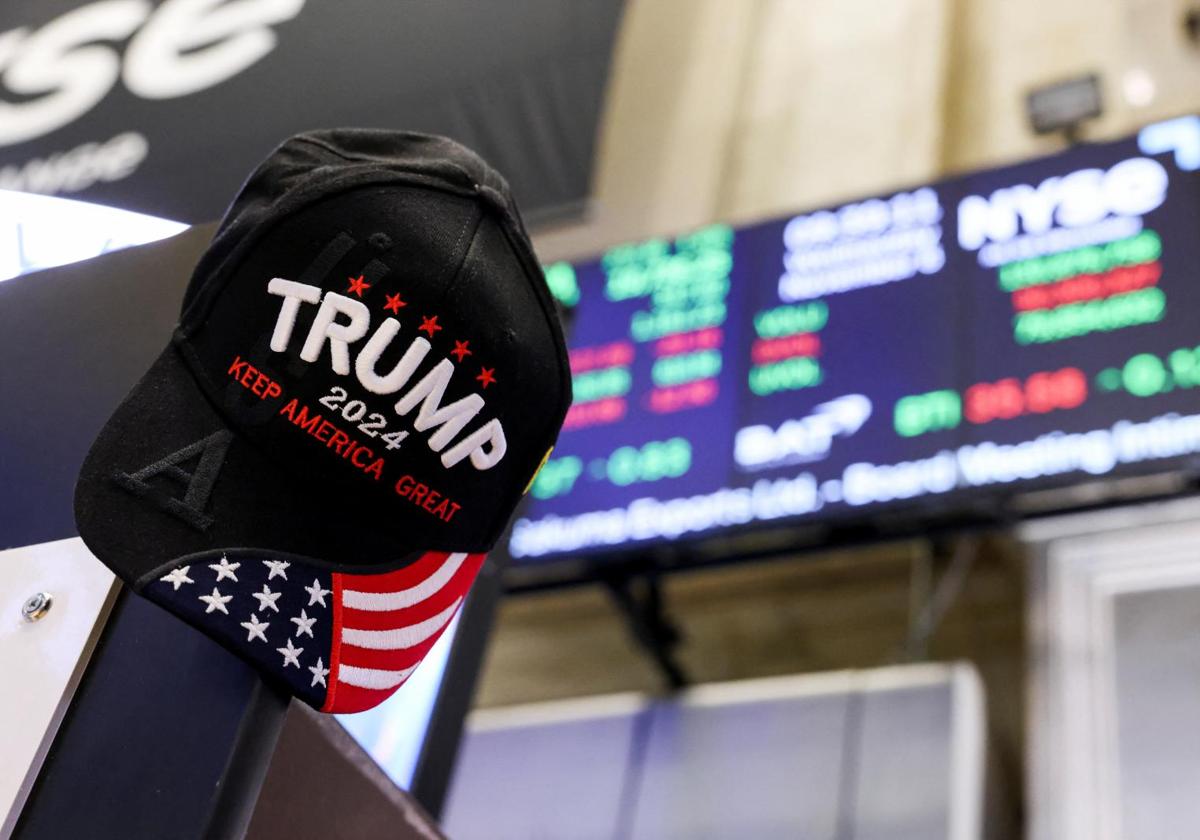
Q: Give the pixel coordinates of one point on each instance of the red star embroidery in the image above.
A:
(429, 325)
(357, 285)
(486, 376)
(460, 350)
(394, 303)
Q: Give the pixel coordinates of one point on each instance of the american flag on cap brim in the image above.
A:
(340, 642)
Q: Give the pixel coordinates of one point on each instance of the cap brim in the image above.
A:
(348, 641)
(167, 478)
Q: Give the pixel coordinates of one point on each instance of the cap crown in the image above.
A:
(370, 315)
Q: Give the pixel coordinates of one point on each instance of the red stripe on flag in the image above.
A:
(352, 699)
(391, 660)
(336, 646)
(343, 698)
(456, 587)
(404, 578)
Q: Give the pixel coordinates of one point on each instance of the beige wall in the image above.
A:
(818, 612)
(737, 109)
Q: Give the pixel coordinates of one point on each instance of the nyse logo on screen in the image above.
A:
(1080, 208)
(55, 74)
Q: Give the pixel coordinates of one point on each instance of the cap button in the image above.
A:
(492, 196)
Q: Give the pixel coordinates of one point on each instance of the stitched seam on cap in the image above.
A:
(474, 222)
(542, 292)
(297, 200)
(321, 144)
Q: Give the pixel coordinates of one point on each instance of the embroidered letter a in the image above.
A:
(209, 455)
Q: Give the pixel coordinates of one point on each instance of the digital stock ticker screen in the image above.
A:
(1022, 327)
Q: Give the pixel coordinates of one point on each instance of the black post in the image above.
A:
(168, 735)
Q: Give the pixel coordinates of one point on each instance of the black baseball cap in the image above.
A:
(367, 373)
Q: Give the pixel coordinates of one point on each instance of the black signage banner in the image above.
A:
(164, 107)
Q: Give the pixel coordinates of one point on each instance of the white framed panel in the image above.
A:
(1101, 680)
(43, 660)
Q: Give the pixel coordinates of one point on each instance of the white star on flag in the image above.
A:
(225, 569)
(291, 654)
(319, 673)
(178, 577)
(277, 568)
(216, 601)
(266, 598)
(303, 625)
(256, 628)
(316, 594)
